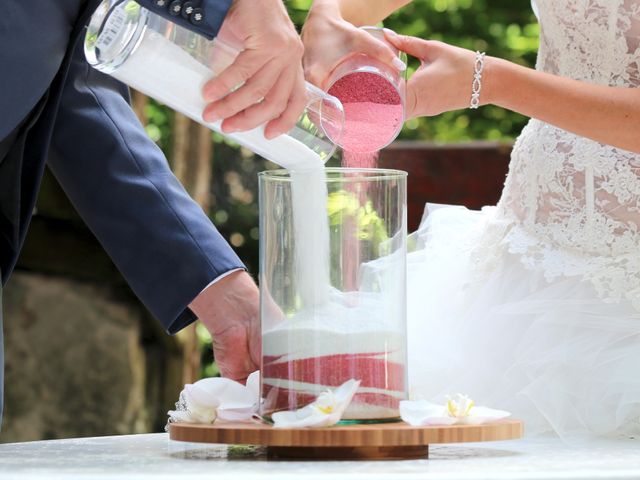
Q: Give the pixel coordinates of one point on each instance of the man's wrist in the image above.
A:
(221, 277)
(236, 292)
(194, 305)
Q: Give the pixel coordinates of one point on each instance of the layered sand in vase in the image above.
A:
(309, 354)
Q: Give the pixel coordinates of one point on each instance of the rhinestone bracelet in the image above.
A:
(476, 86)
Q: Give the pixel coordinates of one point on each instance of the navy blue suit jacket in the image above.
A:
(55, 108)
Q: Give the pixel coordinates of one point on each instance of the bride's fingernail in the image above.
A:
(399, 64)
(390, 32)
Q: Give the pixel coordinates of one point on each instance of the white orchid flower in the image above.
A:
(459, 410)
(326, 411)
(459, 406)
(217, 398)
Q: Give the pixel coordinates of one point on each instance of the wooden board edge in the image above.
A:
(344, 436)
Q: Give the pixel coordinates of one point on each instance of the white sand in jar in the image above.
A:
(167, 73)
(311, 234)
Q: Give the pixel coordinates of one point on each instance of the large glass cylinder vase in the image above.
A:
(333, 288)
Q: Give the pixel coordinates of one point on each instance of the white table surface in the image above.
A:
(155, 456)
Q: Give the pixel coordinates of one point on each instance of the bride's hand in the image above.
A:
(329, 39)
(443, 81)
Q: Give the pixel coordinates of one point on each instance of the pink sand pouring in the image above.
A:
(374, 111)
(372, 95)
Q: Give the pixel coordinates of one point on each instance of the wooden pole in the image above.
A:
(139, 104)
(191, 160)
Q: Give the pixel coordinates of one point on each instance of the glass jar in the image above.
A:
(333, 288)
(372, 94)
(171, 64)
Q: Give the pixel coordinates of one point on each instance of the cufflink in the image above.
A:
(160, 3)
(197, 16)
(175, 7)
(187, 10)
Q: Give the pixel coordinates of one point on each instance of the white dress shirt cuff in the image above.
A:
(226, 274)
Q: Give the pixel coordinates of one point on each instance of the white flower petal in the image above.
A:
(304, 417)
(253, 383)
(211, 398)
(221, 390)
(199, 394)
(422, 413)
(203, 415)
(344, 394)
(237, 412)
(459, 405)
(480, 415)
(433, 421)
(326, 411)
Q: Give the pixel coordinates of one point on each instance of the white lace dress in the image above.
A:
(534, 305)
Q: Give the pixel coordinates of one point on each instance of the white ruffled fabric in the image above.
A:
(549, 351)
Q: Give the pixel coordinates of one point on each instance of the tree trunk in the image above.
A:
(139, 105)
(191, 162)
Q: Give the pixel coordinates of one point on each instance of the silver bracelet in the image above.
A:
(476, 86)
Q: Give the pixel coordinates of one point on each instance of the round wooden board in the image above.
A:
(382, 440)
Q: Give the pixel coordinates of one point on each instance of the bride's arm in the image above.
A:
(609, 115)
(330, 34)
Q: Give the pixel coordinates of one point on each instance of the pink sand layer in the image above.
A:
(373, 111)
(370, 126)
(365, 87)
(372, 369)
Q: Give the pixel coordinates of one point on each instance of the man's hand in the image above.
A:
(265, 83)
(230, 309)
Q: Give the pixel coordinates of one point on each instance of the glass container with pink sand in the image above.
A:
(372, 94)
(343, 316)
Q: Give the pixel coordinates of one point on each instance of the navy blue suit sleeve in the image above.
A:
(119, 181)
(201, 16)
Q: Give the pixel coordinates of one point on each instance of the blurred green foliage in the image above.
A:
(348, 211)
(503, 28)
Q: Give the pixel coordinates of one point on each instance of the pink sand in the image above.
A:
(373, 115)
(370, 126)
(373, 112)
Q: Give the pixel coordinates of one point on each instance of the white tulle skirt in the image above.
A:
(552, 353)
